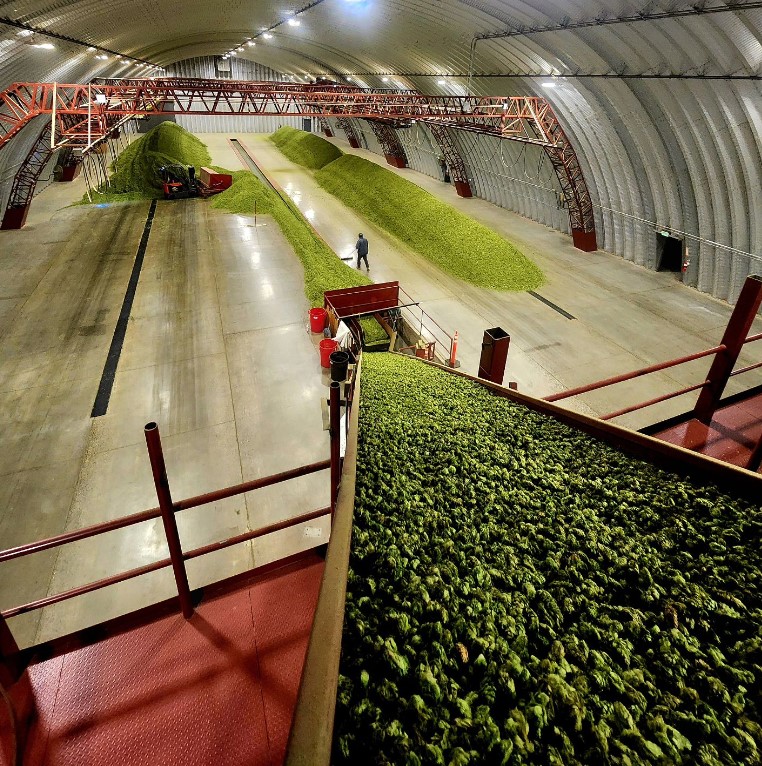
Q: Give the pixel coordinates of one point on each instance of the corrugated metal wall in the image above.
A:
(676, 154)
(207, 68)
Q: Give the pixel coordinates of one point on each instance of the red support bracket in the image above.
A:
(734, 338)
(452, 157)
(390, 143)
(350, 131)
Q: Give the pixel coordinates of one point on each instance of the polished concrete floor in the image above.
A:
(626, 317)
(218, 352)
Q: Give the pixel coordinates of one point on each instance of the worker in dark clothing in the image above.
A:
(362, 251)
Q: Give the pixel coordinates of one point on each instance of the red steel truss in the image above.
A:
(22, 188)
(325, 126)
(95, 108)
(390, 143)
(350, 131)
(452, 158)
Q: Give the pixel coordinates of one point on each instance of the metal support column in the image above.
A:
(738, 328)
(335, 435)
(325, 127)
(390, 143)
(155, 453)
(452, 157)
(25, 180)
(350, 130)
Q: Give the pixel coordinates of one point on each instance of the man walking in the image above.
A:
(362, 251)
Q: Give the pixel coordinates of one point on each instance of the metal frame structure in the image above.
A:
(725, 356)
(350, 131)
(80, 114)
(390, 142)
(325, 126)
(25, 180)
(453, 158)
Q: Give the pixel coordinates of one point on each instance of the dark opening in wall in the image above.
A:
(307, 124)
(669, 253)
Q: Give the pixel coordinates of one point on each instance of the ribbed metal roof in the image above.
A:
(682, 152)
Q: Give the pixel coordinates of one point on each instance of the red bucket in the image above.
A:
(327, 347)
(318, 319)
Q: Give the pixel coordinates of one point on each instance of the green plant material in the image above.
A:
(135, 173)
(520, 592)
(323, 269)
(304, 148)
(373, 333)
(453, 241)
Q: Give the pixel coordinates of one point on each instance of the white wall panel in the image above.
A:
(234, 123)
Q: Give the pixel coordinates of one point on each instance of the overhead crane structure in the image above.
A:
(83, 114)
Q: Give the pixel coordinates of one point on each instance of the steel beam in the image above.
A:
(452, 157)
(733, 340)
(350, 131)
(390, 142)
(84, 113)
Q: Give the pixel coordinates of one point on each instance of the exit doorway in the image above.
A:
(307, 124)
(669, 253)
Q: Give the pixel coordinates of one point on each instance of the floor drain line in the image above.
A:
(117, 342)
(551, 304)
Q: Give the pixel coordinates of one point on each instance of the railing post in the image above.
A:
(738, 328)
(755, 459)
(8, 651)
(335, 435)
(155, 453)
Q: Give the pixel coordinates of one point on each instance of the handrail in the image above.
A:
(746, 369)
(154, 513)
(634, 374)
(78, 534)
(167, 510)
(248, 486)
(656, 400)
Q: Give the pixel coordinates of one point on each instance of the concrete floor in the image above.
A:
(626, 317)
(218, 352)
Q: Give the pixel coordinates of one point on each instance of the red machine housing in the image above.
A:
(214, 180)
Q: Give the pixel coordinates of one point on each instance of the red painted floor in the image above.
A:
(218, 689)
(731, 436)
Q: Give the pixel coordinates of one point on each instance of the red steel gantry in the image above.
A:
(80, 114)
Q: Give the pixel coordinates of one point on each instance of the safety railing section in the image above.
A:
(167, 510)
(401, 313)
(725, 357)
(436, 341)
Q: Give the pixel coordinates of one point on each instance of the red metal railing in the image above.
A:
(636, 374)
(166, 510)
(388, 298)
(722, 369)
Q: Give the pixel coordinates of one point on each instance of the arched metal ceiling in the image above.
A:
(664, 145)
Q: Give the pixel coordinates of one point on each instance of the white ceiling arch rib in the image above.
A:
(683, 155)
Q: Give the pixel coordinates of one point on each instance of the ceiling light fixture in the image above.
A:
(240, 50)
(548, 84)
(384, 79)
(47, 46)
(251, 43)
(267, 36)
(292, 22)
(25, 33)
(441, 82)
